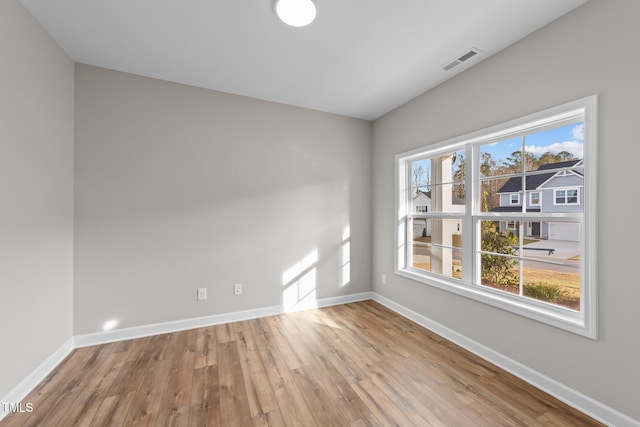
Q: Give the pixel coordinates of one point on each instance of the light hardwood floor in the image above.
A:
(356, 364)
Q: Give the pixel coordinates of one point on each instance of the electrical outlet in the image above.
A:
(237, 289)
(202, 294)
(384, 279)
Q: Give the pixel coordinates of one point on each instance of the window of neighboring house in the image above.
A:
(467, 253)
(566, 197)
(534, 198)
(421, 209)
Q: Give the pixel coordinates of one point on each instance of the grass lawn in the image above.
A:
(569, 283)
(456, 273)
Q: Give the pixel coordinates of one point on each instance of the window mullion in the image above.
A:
(471, 274)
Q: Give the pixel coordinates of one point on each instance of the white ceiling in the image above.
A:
(360, 58)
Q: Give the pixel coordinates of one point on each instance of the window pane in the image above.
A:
(436, 246)
(500, 158)
(422, 230)
(549, 149)
(449, 167)
(421, 246)
(420, 176)
(552, 283)
(447, 261)
(497, 270)
(448, 198)
(440, 260)
(447, 232)
(500, 272)
(458, 167)
(493, 197)
(422, 256)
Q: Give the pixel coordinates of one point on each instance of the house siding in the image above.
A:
(505, 200)
(560, 182)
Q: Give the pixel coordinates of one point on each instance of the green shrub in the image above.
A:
(495, 268)
(544, 292)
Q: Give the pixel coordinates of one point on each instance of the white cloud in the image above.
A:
(573, 147)
(578, 132)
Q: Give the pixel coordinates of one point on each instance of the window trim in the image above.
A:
(531, 193)
(583, 322)
(517, 199)
(566, 197)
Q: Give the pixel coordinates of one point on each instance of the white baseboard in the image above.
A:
(216, 319)
(585, 404)
(19, 392)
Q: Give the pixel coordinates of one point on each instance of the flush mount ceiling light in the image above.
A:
(297, 13)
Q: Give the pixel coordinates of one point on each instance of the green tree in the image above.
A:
(496, 269)
(565, 155)
(459, 176)
(514, 162)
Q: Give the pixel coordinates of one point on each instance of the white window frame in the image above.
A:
(419, 211)
(531, 198)
(516, 201)
(583, 322)
(566, 197)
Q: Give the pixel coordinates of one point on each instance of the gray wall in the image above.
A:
(587, 51)
(36, 195)
(179, 188)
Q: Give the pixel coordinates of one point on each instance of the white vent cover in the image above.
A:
(461, 58)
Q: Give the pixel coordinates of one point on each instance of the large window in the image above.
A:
(477, 239)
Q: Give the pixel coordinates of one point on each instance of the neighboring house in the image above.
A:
(556, 191)
(421, 203)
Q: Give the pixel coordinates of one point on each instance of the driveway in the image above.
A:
(563, 249)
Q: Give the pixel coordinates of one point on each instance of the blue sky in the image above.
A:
(566, 138)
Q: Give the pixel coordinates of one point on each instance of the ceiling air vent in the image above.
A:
(460, 59)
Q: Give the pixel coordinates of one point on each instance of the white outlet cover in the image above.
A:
(202, 294)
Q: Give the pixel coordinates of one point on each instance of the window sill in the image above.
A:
(558, 317)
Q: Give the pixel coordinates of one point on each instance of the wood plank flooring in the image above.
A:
(351, 365)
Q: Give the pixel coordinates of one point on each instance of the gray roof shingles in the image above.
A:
(514, 185)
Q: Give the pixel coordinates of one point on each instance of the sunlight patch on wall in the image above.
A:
(300, 281)
(345, 270)
(109, 325)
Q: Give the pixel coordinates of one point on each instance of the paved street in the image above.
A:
(563, 251)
